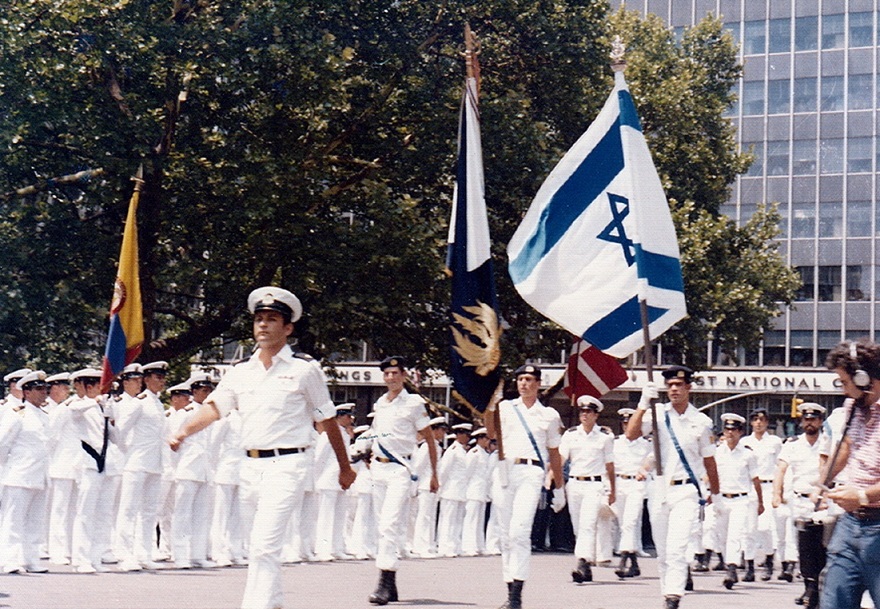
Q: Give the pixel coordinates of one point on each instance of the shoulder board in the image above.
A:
(792, 439)
(474, 449)
(303, 355)
(168, 412)
(747, 447)
(142, 395)
(18, 408)
(571, 429)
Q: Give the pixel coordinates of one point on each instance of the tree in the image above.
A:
(310, 144)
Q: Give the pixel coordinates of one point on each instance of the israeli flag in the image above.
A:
(598, 237)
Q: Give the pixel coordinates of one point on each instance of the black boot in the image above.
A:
(383, 592)
(811, 594)
(698, 562)
(702, 565)
(721, 566)
(750, 571)
(768, 569)
(392, 587)
(731, 577)
(620, 571)
(582, 573)
(514, 597)
(633, 570)
(671, 601)
(689, 583)
(787, 573)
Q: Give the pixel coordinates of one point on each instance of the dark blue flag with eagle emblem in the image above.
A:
(475, 329)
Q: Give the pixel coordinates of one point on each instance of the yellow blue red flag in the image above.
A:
(126, 334)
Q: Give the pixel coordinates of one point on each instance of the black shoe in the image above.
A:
(731, 577)
(688, 584)
(721, 566)
(633, 570)
(514, 596)
(582, 573)
(750, 571)
(701, 563)
(768, 569)
(671, 602)
(621, 570)
(787, 572)
(382, 595)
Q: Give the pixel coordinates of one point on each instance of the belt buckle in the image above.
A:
(253, 453)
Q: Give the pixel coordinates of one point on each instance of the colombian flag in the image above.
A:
(126, 334)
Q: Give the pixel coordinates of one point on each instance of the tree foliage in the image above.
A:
(309, 143)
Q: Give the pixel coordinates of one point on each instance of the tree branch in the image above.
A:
(42, 185)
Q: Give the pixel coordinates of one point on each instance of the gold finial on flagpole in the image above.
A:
(618, 51)
(138, 178)
(472, 49)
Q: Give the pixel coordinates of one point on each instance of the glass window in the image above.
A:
(856, 282)
(754, 38)
(801, 347)
(753, 97)
(858, 159)
(832, 93)
(861, 32)
(777, 158)
(859, 89)
(774, 348)
(803, 220)
(780, 35)
(779, 97)
(733, 28)
(829, 283)
(808, 283)
(830, 219)
(806, 33)
(803, 157)
(831, 156)
(858, 218)
(757, 166)
(833, 31)
(805, 94)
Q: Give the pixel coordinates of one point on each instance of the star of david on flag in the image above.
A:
(598, 237)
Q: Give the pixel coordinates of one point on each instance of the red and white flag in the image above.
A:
(591, 372)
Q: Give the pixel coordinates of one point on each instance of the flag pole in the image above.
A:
(618, 64)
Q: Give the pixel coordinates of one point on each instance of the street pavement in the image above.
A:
(443, 583)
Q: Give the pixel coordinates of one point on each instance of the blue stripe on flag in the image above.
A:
(587, 182)
(116, 345)
(661, 271)
(628, 114)
(619, 324)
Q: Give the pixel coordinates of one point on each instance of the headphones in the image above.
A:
(860, 378)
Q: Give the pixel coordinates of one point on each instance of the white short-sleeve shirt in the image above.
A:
(588, 452)
(544, 423)
(397, 422)
(277, 405)
(692, 429)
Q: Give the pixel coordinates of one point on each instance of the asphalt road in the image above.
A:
(442, 583)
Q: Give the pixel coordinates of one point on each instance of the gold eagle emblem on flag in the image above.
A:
(480, 343)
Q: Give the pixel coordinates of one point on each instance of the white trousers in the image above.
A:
(106, 535)
(61, 512)
(425, 530)
(362, 541)
(517, 504)
(734, 525)
(272, 489)
(138, 514)
(330, 529)
(226, 538)
(23, 516)
(628, 504)
(770, 528)
(449, 527)
(86, 551)
(674, 522)
(473, 534)
(391, 490)
(585, 498)
(190, 523)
